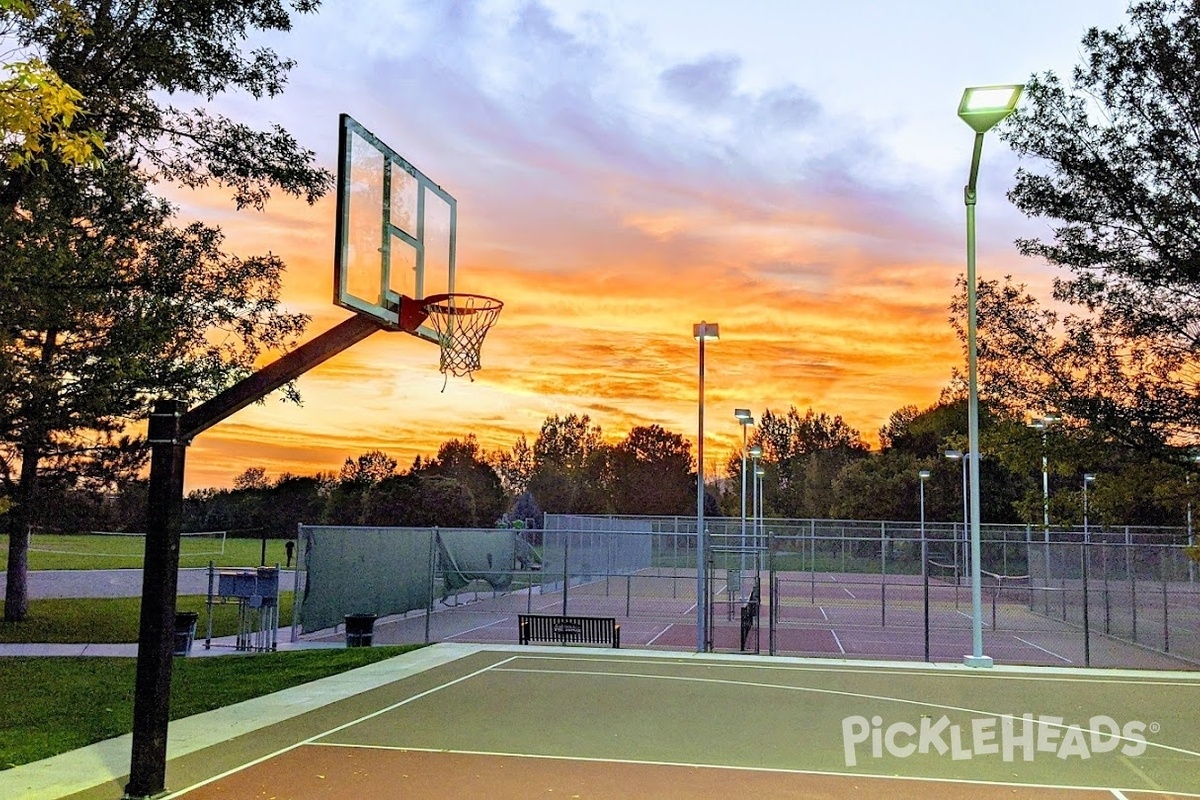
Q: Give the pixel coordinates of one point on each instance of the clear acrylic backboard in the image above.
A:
(395, 232)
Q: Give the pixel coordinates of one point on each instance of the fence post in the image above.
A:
(566, 568)
(1162, 568)
(773, 596)
(1087, 633)
(882, 576)
(432, 580)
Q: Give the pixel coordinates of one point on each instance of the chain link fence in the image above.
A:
(1123, 597)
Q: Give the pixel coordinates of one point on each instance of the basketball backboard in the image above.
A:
(395, 230)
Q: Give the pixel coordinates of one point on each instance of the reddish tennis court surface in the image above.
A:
(589, 723)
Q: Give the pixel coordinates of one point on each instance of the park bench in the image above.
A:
(568, 630)
(749, 616)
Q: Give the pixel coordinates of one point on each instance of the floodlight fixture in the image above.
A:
(744, 415)
(1089, 478)
(706, 331)
(984, 106)
(756, 451)
(923, 474)
(954, 454)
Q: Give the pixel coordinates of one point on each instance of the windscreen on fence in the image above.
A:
(353, 570)
(469, 555)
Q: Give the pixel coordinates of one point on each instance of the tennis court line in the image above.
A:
(480, 627)
(735, 768)
(835, 692)
(1044, 650)
(660, 633)
(838, 641)
(313, 739)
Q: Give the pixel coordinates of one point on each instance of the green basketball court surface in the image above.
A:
(457, 720)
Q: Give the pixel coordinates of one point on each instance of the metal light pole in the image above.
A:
(745, 419)
(981, 108)
(761, 527)
(702, 332)
(956, 455)
(1043, 424)
(755, 453)
(923, 476)
(1083, 558)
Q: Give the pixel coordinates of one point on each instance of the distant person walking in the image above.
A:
(291, 549)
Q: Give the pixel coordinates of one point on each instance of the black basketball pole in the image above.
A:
(172, 428)
(160, 574)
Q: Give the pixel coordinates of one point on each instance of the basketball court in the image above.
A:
(508, 721)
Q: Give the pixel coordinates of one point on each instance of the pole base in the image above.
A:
(980, 662)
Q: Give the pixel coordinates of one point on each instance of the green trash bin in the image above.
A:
(360, 630)
(185, 631)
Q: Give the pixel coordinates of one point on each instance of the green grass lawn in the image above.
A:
(110, 620)
(85, 551)
(66, 703)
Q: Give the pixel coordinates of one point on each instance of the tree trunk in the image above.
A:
(20, 520)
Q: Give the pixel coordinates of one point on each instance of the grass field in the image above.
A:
(113, 620)
(87, 551)
(66, 703)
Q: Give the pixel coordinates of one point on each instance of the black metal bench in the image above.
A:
(568, 630)
(749, 616)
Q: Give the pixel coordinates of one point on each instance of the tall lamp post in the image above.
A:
(958, 455)
(923, 476)
(1042, 424)
(1083, 560)
(981, 108)
(745, 419)
(1193, 458)
(702, 332)
(761, 527)
(755, 453)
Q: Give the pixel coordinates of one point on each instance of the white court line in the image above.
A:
(1044, 650)
(963, 613)
(1117, 793)
(313, 739)
(479, 627)
(660, 633)
(740, 768)
(839, 641)
(823, 614)
(847, 591)
(797, 664)
(978, 712)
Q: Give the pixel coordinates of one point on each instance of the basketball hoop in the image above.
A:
(460, 321)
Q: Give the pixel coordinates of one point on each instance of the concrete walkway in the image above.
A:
(116, 582)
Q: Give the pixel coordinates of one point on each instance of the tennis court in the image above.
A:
(508, 721)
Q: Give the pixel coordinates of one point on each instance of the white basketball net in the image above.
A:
(461, 321)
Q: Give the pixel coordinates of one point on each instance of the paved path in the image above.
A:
(115, 582)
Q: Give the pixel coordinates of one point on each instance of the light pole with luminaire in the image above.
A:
(755, 452)
(702, 332)
(923, 476)
(759, 473)
(745, 419)
(981, 108)
(958, 455)
(1083, 568)
(1043, 423)
(1193, 458)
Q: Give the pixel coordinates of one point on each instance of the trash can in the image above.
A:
(360, 630)
(185, 631)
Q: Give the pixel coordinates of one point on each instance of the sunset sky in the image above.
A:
(623, 169)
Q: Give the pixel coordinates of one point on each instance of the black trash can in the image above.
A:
(185, 631)
(360, 630)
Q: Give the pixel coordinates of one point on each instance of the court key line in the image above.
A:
(313, 739)
(836, 692)
(736, 768)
